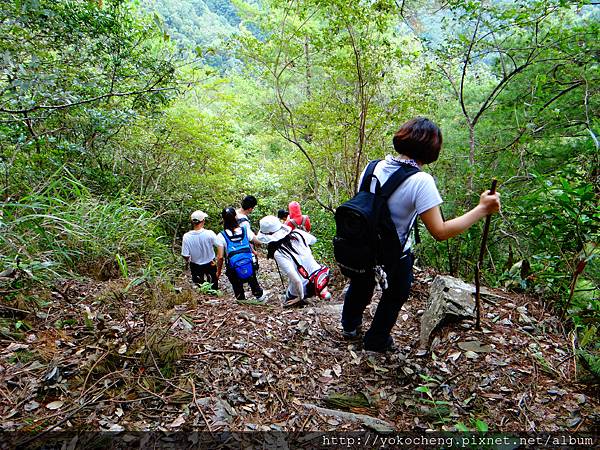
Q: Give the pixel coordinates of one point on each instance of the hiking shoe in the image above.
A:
(352, 334)
(389, 347)
(288, 302)
(325, 295)
(264, 297)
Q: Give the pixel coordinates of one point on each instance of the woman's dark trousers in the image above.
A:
(359, 295)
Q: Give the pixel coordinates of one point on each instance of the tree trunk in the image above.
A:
(308, 71)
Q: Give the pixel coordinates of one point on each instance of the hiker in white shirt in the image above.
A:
(198, 251)
(417, 142)
(291, 251)
(248, 204)
(232, 232)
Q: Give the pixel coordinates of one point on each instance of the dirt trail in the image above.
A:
(116, 357)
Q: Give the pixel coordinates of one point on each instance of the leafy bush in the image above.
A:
(64, 226)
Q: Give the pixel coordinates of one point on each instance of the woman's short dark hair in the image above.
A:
(419, 139)
(229, 218)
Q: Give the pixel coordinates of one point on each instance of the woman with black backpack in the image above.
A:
(233, 246)
(418, 142)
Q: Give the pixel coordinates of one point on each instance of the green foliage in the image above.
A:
(73, 75)
(338, 76)
(590, 361)
(198, 27)
(437, 408)
(82, 233)
(561, 215)
(478, 425)
(206, 288)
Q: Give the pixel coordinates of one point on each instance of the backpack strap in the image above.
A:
(300, 236)
(303, 223)
(229, 238)
(365, 185)
(416, 227)
(301, 270)
(226, 237)
(396, 179)
(241, 250)
(224, 233)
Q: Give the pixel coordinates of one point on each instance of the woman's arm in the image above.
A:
(307, 224)
(440, 230)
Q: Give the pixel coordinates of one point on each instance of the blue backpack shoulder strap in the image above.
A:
(229, 238)
(224, 233)
(365, 185)
(397, 178)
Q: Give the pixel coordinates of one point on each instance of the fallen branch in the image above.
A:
(198, 406)
(208, 352)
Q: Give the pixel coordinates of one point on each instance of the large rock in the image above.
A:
(449, 298)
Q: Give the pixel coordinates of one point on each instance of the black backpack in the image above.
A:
(365, 233)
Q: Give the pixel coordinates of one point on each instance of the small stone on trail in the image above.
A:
(475, 346)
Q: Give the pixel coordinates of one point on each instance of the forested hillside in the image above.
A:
(198, 28)
(119, 118)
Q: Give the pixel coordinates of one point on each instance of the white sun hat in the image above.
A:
(271, 230)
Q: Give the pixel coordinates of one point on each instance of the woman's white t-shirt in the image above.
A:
(303, 254)
(417, 194)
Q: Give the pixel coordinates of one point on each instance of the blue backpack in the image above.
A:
(239, 254)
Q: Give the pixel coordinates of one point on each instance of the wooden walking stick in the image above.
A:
(486, 230)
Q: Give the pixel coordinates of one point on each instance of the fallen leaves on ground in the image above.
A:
(109, 356)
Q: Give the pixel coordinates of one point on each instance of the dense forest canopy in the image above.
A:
(118, 118)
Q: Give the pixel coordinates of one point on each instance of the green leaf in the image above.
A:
(461, 427)
(481, 426)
